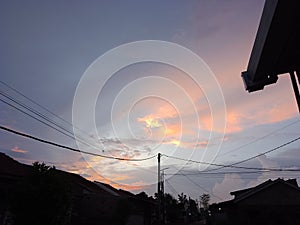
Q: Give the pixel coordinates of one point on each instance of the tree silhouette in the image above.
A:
(172, 209)
(142, 195)
(42, 198)
(193, 209)
(182, 199)
(204, 200)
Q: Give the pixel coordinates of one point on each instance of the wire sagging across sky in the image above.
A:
(234, 165)
(39, 116)
(151, 157)
(258, 139)
(71, 149)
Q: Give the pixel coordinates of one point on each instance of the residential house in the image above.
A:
(275, 202)
(92, 202)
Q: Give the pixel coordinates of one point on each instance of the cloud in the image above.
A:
(266, 163)
(233, 122)
(289, 157)
(109, 175)
(188, 144)
(231, 182)
(264, 107)
(18, 150)
(150, 121)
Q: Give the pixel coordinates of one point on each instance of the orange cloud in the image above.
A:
(94, 176)
(161, 113)
(173, 130)
(132, 187)
(233, 122)
(86, 170)
(206, 122)
(151, 121)
(279, 113)
(162, 124)
(174, 142)
(17, 149)
(119, 177)
(190, 144)
(166, 111)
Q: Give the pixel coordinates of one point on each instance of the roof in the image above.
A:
(82, 182)
(9, 166)
(240, 195)
(108, 188)
(13, 169)
(245, 193)
(116, 192)
(276, 48)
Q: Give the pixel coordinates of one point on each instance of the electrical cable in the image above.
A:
(57, 128)
(173, 190)
(45, 123)
(36, 112)
(258, 139)
(253, 157)
(41, 106)
(71, 149)
(233, 165)
(202, 187)
(228, 166)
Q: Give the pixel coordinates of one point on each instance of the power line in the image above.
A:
(193, 161)
(201, 187)
(228, 166)
(266, 152)
(45, 123)
(213, 175)
(216, 173)
(46, 120)
(43, 116)
(40, 117)
(253, 157)
(251, 178)
(233, 165)
(32, 110)
(28, 114)
(69, 148)
(258, 139)
(173, 190)
(41, 106)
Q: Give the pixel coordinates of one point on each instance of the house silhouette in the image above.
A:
(275, 202)
(92, 202)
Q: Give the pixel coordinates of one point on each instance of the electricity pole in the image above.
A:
(158, 190)
(163, 196)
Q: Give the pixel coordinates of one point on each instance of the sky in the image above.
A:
(48, 50)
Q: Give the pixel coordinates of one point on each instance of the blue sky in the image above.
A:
(47, 46)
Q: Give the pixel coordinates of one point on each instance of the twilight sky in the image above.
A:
(147, 107)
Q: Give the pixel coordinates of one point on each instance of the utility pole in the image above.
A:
(158, 190)
(163, 196)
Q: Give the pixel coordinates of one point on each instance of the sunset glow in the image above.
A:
(88, 65)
